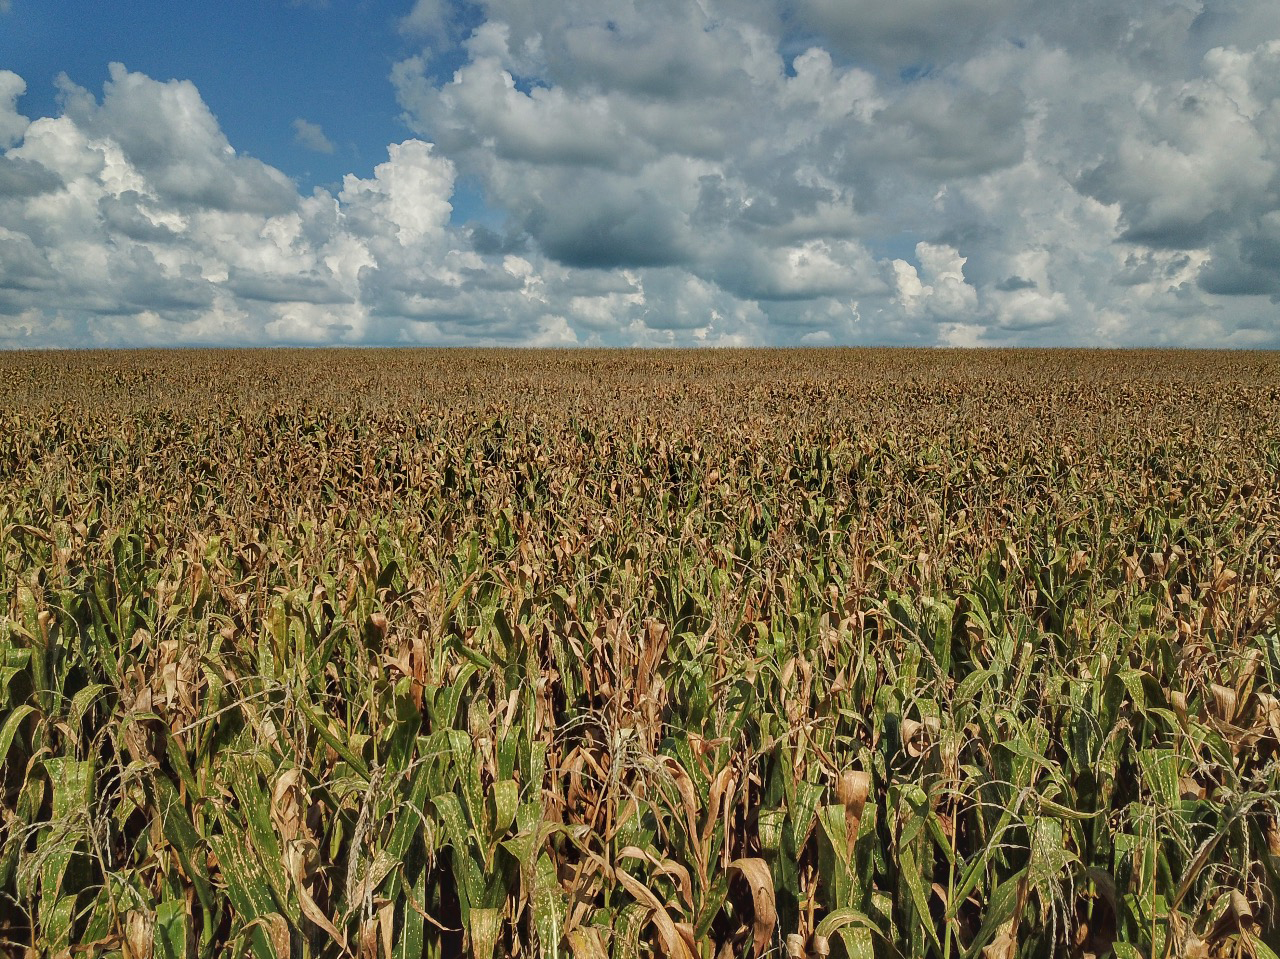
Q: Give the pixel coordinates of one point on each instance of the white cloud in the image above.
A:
(906, 32)
(12, 123)
(428, 18)
(410, 192)
(311, 135)
(937, 288)
(936, 171)
(167, 134)
(942, 268)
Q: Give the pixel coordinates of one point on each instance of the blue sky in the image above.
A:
(640, 172)
(259, 65)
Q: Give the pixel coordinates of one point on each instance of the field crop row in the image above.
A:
(612, 655)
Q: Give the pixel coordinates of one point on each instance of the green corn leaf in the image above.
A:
(1060, 811)
(71, 782)
(102, 915)
(443, 703)
(709, 908)
(505, 800)
(910, 873)
(508, 752)
(411, 942)
(255, 804)
(839, 918)
(172, 930)
(802, 813)
(548, 906)
(537, 769)
(484, 929)
(1132, 680)
(467, 768)
(1020, 747)
(1000, 908)
(55, 923)
(184, 838)
(1049, 857)
(858, 942)
(404, 732)
(1259, 948)
(1160, 769)
(770, 830)
(333, 742)
(834, 860)
(12, 723)
(80, 704)
(524, 845)
(176, 755)
(408, 817)
(248, 888)
(856, 931)
(468, 872)
(977, 868)
(628, 926)
(13, 661)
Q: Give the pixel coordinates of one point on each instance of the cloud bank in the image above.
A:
(664, 173)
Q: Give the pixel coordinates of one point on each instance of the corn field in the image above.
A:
(611, 655)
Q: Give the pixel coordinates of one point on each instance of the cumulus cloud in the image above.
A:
(428, 19)
(663, 135)
(132, 220)
(908, 32)
(101, 243)
(661, 173)
(311, 135)
(12, 123)
(166, 134)
(938, 287)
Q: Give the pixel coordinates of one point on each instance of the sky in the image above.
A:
(640, 173)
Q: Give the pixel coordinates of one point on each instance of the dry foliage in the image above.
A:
(391, 654)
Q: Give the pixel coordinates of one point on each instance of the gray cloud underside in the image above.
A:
(925, 172)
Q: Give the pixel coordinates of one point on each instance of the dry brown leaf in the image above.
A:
(1178, 700)
(685, 929)
(664, 867)
(852, 791)
(722, 787)
(298, 858)
(1242, 910)
(669, 938)
(386, 919)
(277, 929)
(1268, 713)
(287, 802)
(139, 932)
(1005, 944)
(764, 903)
(688, 796)
(1224, 702)
(586, 944)
(367, 947)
